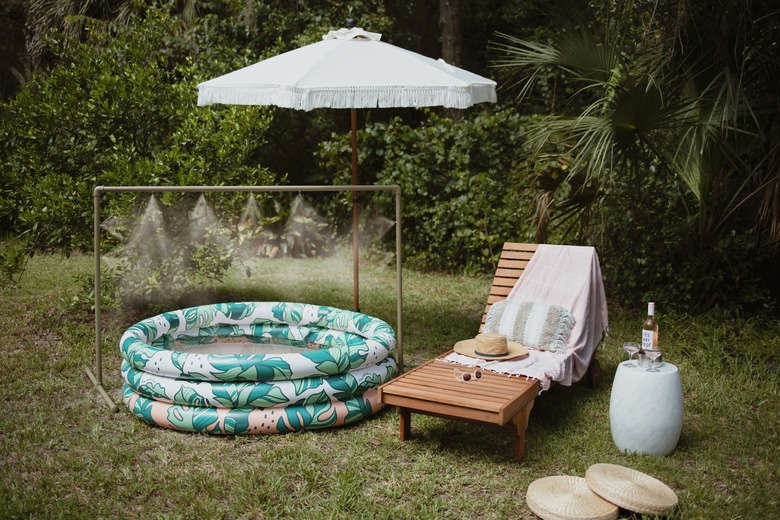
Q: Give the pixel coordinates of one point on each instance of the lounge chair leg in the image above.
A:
(521, 424)
(594, 372)
(406, 423)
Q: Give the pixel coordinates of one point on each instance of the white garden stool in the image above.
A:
(646, 409)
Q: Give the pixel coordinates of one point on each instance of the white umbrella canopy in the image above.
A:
(349, 68)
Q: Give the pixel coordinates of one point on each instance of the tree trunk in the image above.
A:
(451, 33)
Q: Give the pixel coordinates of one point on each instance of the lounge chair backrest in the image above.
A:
(511, 264)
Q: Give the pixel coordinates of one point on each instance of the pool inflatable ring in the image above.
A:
(247, 420)
(337, 360)
(257, 395)
(349, 339)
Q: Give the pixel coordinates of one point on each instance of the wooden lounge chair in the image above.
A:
(432, 389)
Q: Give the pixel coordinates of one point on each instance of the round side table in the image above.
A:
(646, 409)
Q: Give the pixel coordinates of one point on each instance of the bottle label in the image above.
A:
(647, 340)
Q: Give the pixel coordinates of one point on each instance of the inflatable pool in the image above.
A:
(257, 367)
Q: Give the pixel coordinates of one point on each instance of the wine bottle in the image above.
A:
(650, 329)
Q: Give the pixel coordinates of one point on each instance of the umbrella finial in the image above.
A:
(351, 23)
(353, 33)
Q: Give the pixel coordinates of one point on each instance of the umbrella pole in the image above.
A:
(355, 255)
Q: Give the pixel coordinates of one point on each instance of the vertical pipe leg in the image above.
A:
(98, 327)
(399, 282)
(97, 378)
(355, 255)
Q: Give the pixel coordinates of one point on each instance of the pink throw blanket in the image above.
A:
(569, 276)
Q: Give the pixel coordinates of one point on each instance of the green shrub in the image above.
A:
(651, 249)
(462, 197)
(13, 256)
(121, 110)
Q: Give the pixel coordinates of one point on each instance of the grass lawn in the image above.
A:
(64, 454)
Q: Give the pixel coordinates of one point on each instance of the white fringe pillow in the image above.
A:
(533, 324)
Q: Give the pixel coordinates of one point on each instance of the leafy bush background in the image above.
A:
(120, 110)
(462, 196)
(117, 107)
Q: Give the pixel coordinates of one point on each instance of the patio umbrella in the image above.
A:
(349, 68)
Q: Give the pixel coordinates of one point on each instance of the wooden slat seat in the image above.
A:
(432, 389)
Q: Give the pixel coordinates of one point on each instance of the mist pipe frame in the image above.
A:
(97, 376)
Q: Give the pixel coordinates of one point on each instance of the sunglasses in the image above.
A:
(465, 376)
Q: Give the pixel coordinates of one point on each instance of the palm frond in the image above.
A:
(523, 62)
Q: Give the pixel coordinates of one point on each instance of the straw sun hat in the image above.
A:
(567, 498)
(492, 347)
(631, 489)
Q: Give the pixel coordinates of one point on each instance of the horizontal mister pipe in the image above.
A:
(208, 189)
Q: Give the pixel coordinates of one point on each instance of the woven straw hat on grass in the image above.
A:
(567, 498)
(631, 489)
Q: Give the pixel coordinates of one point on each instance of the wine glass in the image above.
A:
(653, 355)
(632, 348)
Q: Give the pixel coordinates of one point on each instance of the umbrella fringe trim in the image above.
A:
(348, 97)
